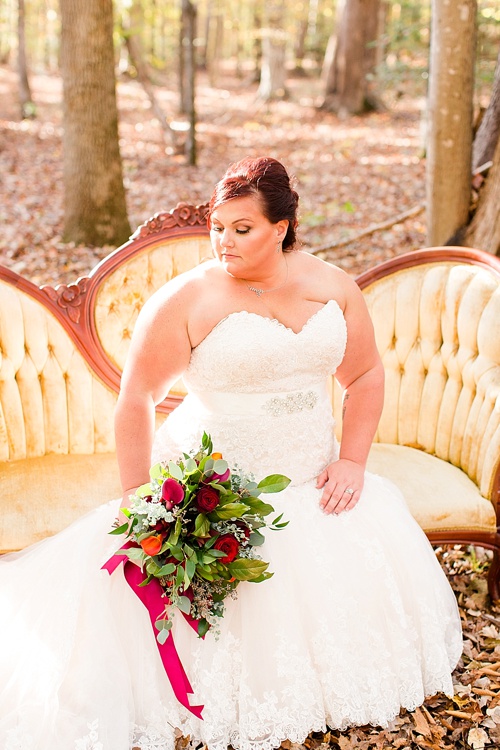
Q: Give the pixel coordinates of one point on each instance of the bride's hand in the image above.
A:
(337, 480)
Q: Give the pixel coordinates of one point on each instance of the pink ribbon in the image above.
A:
(151, 596)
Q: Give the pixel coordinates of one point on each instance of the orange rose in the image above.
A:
(216, 456)
(152, 544)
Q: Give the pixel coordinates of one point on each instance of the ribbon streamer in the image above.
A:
(152, 597)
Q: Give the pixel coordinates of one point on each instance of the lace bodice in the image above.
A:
(259, 389)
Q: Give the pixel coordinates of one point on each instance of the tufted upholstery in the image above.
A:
(61, 354)
(437, 323)
(436, 315)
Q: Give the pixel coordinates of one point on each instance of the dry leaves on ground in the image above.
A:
(350, 174)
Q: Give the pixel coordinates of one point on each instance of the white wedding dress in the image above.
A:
(357, 621)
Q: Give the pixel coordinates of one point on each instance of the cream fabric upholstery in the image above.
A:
(41, 496)
(124, 292)
(437, 328)
(440, 496)
(50, 400)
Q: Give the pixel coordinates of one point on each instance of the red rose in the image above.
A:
(152, 544)
(207, 499)
(229, 544)
(172, 493)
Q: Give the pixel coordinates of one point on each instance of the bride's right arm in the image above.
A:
(159, 353)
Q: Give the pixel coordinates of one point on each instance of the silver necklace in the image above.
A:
(260, 292)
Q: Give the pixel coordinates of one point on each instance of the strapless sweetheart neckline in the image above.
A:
(268, 319)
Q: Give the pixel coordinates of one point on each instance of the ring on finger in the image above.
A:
(349, 491)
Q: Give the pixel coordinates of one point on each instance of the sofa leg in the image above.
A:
(494, 576)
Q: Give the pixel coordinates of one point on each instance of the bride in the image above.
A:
(358, 619)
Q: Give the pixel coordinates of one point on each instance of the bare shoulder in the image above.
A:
(329, 281)
(174, 299)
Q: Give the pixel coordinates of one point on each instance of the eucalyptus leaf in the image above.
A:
(162, 636)
(256, 538)
(184, 604)
(191, 466)
(156, 471)
(163, 623)
(220, 466)
(207, 464)
(273, 483)
(175, 471)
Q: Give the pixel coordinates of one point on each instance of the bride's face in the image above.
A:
(244, 240)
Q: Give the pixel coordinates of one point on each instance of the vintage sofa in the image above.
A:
(437, 322)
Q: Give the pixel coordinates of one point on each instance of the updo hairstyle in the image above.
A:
(268, 180)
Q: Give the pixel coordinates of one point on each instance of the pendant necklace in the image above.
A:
(260, 292)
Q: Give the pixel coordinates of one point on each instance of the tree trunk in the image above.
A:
(26, 103)
(273, 71)
(351, 58)
(214, 47)
(449, 137)
(487, 135)
(187, 54)
(483, 232)
(94, 196)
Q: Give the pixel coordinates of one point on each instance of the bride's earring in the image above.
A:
(278, 247)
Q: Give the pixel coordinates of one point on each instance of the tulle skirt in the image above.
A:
(357, 621)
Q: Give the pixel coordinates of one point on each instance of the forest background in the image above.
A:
(349, 113)
(353, 171)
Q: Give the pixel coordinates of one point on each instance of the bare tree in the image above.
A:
(94, 196)
(27, 105)
(273, 71)
(484, 230)
(351, 57)
(488, 132)
(188, 68)
(449, 138)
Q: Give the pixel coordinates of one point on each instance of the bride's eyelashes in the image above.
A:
(238, 231)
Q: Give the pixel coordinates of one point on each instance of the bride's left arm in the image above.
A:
(361, 376)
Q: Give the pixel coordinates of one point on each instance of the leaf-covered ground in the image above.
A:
(350, 174)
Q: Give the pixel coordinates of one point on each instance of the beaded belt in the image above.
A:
(275, 404)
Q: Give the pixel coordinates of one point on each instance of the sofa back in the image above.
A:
(436, 315)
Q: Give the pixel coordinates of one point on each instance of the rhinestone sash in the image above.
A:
(259, 404)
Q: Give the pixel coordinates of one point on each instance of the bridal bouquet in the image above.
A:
(195, 528)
